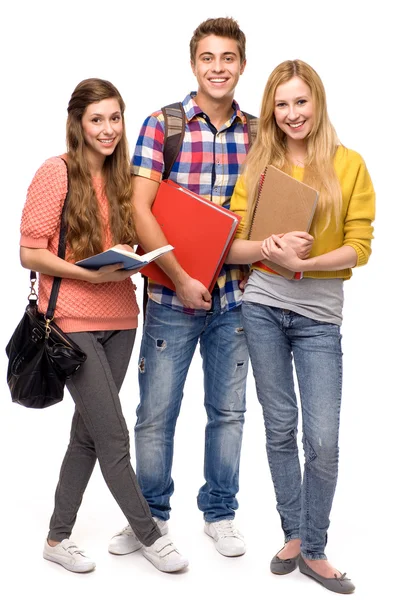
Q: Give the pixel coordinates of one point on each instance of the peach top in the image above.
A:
(81, 306)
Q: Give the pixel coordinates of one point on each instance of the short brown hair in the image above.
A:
(222, 27)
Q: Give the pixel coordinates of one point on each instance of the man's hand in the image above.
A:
(243, 282)
(193, 294)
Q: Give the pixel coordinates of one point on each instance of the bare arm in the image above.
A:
(278, 251)
(247, 252)
(44, 261)
(191, 292)
(244, 252)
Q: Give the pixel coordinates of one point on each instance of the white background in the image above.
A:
(143, 48)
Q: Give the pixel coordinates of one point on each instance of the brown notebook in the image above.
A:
(284, 204)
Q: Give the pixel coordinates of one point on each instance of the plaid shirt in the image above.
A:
(207, 164)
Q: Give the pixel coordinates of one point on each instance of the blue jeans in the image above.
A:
(168, 344)
(276, 338)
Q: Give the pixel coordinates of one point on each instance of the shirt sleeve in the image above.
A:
(148, 158)
(239, 206)
(41, 214)
(358, 229)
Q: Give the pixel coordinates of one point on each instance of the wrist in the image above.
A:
(180, 277)
(82, 274)
(309, 264)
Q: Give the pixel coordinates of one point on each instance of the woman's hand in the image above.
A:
(300, 241)
(125, 247)
(110, 273)
(278, 251)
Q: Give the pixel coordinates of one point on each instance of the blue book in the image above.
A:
(129, 260)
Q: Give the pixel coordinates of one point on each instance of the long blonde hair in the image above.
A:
(84, 232)
(270, 146)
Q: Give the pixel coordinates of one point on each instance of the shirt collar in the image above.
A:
(192, 109)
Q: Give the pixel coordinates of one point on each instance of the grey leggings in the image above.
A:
(99, 431)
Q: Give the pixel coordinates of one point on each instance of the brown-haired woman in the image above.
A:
(97, 309)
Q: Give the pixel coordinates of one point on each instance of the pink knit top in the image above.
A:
(81, 306)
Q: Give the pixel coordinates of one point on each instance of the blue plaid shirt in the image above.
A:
(208, 164)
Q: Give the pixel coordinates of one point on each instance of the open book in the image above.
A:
(130, 260)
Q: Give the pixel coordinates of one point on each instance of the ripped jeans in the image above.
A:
(168, 345)
(276, 338)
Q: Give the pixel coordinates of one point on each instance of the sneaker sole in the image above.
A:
(231, 554)
(73, 568)
(173, 568)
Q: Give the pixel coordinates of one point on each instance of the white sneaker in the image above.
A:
(125, 541)
(68, 555)
(165, 556)
(228, 540)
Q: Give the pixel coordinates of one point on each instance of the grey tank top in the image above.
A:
(319, 299)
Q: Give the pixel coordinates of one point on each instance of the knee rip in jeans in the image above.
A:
(142, 363)
(161, 344)
(239, 330)
(309, 451)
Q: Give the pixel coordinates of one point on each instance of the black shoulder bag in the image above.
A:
(40, 355)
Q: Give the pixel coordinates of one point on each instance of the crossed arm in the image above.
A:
(277, 250)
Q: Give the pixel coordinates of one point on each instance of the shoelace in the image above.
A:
(227, 529)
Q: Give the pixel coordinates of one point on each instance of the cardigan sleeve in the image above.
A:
(45, 198)
(358, 229)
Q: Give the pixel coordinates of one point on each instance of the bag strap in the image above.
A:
(252, 126)
(174, 123)
(61, 253)
(174, 120)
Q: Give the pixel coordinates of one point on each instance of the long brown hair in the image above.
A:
(270, 146)
(84, 234)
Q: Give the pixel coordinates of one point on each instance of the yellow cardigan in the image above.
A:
(358, 212)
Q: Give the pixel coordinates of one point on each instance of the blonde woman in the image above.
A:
(298, 321)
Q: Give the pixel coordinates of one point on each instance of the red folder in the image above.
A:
(200, 231)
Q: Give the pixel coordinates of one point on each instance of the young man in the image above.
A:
(215, 145)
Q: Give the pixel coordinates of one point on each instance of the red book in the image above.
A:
(200, 231)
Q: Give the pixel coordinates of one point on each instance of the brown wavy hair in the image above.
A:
(221, 27)
(270, 146)
(84, 233)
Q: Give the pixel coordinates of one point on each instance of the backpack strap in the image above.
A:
(174, 119)
(252, 126)
(174, 122)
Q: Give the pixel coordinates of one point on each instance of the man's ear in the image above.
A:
(242, 67)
